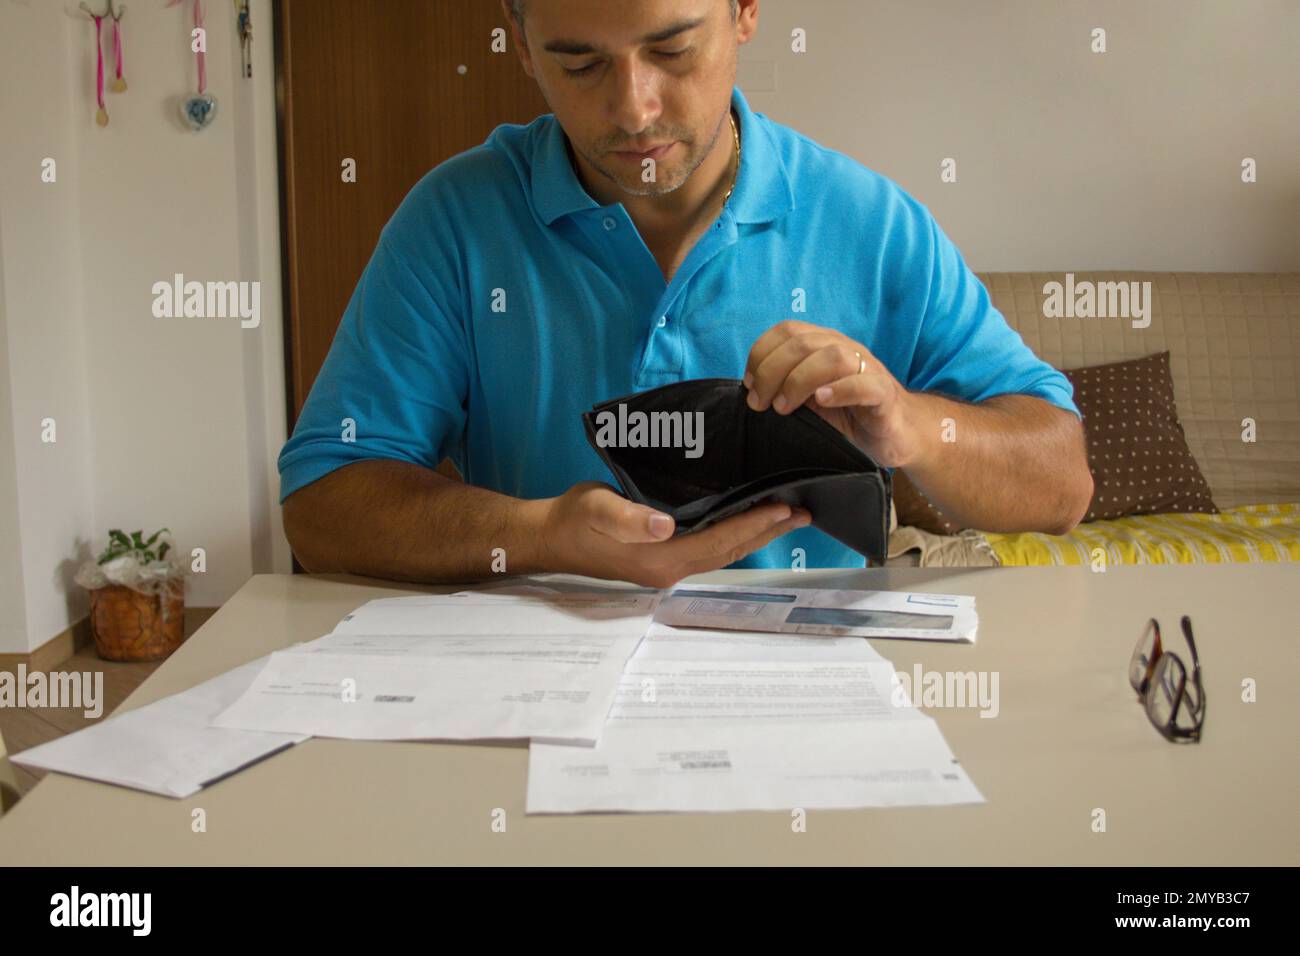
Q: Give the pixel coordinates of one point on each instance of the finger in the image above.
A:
(872, 390)
(799, 518)
(828, 364)
(770, 375)
(768, 341)
(719, 539)
(626, 521)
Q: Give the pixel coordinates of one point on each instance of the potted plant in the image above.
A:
(137, 597)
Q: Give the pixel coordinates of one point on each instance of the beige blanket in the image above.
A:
(909, 546)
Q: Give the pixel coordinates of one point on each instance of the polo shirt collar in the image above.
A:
(763, 191)
(555, 186)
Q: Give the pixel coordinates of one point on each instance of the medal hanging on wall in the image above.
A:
(199, 110)
(119, 82)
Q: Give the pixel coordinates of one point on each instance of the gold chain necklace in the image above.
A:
(735, 135)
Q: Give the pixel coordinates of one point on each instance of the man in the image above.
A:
(627, 240)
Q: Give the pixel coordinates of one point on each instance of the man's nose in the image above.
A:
(636, 101)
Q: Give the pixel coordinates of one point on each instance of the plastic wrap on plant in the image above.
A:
(155, 578)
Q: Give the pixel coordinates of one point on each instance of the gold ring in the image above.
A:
(862, 363)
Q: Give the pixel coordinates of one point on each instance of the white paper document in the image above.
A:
(659, 690)
(763, 765)
(665, 642)
(167, 747)
(455, 667)
(737, 735)
(820, 611)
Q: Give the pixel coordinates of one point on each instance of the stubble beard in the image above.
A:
(691, 163)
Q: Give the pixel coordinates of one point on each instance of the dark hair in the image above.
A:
(517, 10)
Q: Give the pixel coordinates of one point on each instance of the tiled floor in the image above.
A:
(24, 727)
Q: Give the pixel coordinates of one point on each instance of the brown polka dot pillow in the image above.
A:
(1136, 449)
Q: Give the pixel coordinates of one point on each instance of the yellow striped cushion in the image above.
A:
(1250, 533)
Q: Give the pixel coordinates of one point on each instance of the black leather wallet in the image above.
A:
(741, 457)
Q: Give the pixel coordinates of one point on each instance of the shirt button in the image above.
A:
(663, 320)
(610, 223)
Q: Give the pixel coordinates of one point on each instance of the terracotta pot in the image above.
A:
(130, 626)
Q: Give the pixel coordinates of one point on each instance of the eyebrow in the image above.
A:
(578, 47)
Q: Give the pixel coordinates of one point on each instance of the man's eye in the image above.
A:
(667, 54)
(582, 71)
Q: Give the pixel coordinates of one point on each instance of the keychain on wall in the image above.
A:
(245, 32)
(199, 110)
(119, 84)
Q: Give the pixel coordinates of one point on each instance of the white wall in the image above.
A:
(13, 603)
(1066, 159)
(46, 493)
(160, 421)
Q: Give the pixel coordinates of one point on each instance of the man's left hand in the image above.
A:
(795, 363)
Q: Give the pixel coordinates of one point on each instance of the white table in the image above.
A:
(1070, 738)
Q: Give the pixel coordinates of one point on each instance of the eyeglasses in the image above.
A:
(1175, 705)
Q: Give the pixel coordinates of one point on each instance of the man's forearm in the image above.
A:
(391, 519)
(1010, 463)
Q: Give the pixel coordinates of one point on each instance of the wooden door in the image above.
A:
(398, 86)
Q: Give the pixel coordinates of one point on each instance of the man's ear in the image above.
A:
(520, 41)
(746, 20)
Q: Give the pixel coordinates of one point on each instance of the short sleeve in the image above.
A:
(966, 349)
(395, 382)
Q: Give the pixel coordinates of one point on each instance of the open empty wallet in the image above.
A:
(695, 450)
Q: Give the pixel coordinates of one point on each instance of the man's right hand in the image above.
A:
(593, 530)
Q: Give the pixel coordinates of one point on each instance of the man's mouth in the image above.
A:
(658, 152)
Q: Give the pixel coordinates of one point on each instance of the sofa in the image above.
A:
(1234, 357)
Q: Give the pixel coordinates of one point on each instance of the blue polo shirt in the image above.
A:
(502, 301)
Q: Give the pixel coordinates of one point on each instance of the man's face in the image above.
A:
(616, 93)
